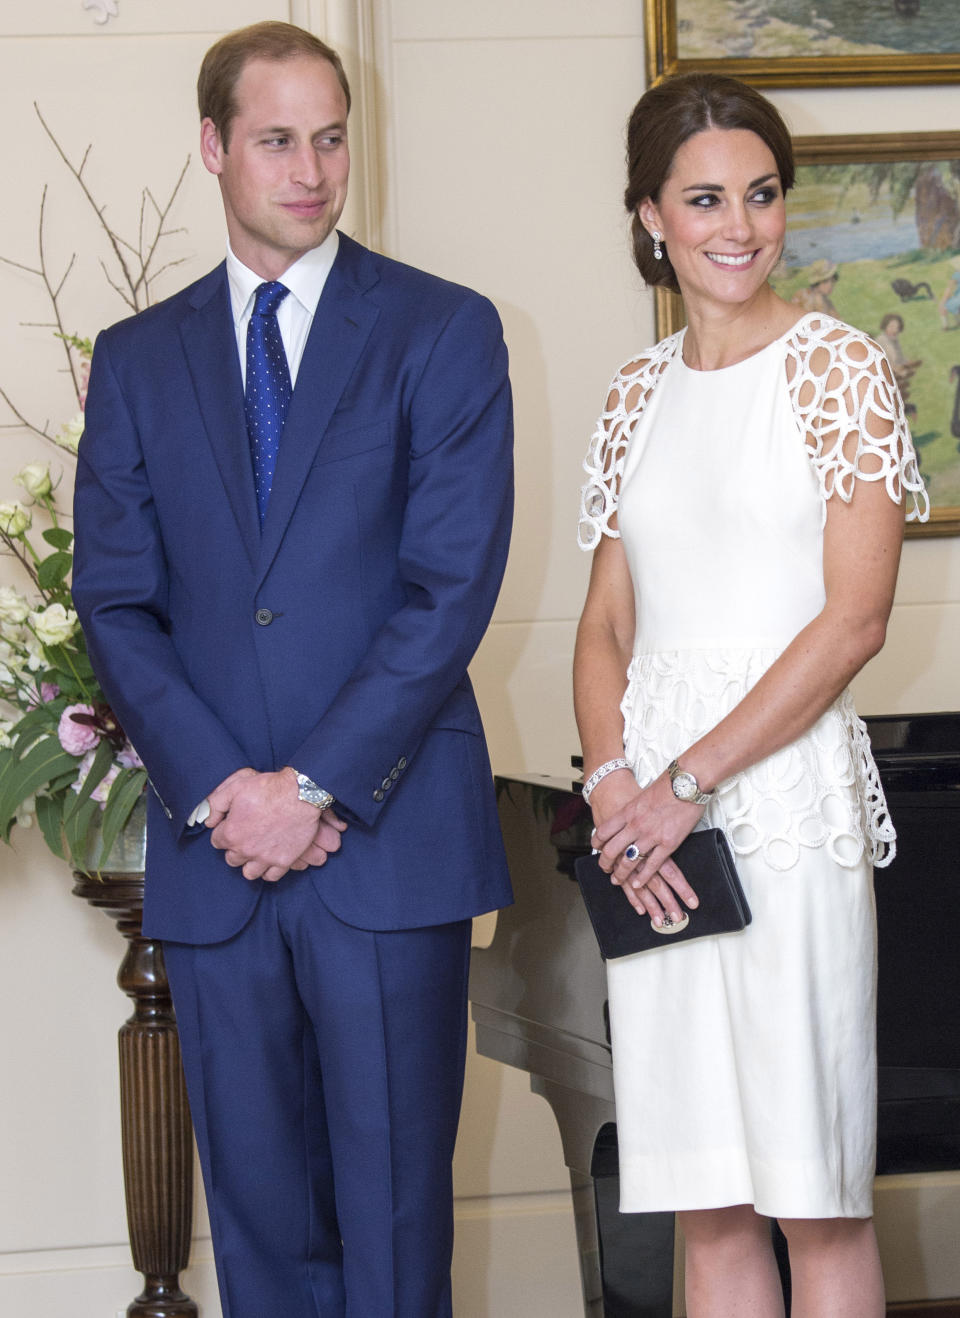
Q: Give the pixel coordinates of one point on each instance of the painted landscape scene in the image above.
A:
(778, 29)
(878, 245)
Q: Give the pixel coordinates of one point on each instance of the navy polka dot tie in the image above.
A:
(268, 388)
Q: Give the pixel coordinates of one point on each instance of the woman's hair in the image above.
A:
(668, 115)
(225, 61)
(888, 319)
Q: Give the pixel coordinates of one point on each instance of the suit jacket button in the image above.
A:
(402, 762)
(386, 784)
(263, 617)
(394, 774)
(378, 795)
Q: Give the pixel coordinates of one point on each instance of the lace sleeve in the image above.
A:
(629, 391)
(849, 408)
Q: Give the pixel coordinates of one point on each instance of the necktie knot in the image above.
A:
(268, 297)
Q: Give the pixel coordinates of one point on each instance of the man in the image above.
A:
(281, 593)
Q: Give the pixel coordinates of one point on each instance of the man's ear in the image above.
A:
(211, 148)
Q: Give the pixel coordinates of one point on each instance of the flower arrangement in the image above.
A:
(64, 758)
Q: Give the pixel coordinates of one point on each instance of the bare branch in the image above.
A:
(66, 272)
(118, 288)
(54, 294)
(99, 211)
(22, 419)
(20, 266)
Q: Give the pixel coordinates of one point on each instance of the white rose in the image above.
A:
(35, 479)
(69, 437)
(54, 624)
(36, 659)
(13, 606)
(14, 519)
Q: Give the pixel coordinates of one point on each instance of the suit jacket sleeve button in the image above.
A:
(263, 617)
(394, 774)
(378, 795)
(402, 762)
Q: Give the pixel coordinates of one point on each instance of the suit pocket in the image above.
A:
(346, 441)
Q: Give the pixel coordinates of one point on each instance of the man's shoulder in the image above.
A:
(165, 315)
(422, 292)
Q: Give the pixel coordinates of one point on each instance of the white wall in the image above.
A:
(500, 150)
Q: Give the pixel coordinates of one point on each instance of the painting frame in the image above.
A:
(661, 26)
(869, 149)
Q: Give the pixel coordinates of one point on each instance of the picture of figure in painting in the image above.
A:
(877, 243)
(821, 281)
(783, 29)
(950, 300)
(891, 327)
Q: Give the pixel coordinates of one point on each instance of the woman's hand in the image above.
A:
(652, 819)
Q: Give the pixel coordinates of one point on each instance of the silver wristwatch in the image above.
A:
(308, 791)
(685, 786)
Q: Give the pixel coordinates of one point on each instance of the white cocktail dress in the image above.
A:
(745, 1065)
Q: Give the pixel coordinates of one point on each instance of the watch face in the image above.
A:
(685, 786)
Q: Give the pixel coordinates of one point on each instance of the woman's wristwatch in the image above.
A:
(685, 786)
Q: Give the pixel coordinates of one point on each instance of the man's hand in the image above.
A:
(264, 829)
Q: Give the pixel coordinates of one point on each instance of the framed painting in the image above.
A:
(873, 237)
(798, 43)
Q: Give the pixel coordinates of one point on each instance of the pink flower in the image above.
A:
(48, 691)
(76, 738)
(102, 789)
(128, 758)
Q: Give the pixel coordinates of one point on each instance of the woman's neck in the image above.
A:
(721, 335)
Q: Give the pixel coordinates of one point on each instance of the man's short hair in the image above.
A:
(225, 61)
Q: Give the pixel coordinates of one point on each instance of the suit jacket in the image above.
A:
(337, 638)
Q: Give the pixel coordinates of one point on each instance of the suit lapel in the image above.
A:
(210, 345)
(341, 327)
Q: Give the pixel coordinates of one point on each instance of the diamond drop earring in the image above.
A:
(657, 249)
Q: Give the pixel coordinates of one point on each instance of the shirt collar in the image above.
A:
(305, 278)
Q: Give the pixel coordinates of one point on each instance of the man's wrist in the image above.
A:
(311, 792)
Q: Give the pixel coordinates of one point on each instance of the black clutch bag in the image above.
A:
(707, 864)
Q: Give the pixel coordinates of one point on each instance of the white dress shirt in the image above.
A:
(305, 279)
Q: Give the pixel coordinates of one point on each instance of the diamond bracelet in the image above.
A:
(599, 774)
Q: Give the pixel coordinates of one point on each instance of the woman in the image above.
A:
(745, 501)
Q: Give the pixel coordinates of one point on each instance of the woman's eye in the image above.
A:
(705, 200)
(765, 196)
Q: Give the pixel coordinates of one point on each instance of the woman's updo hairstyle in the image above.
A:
(665, 117)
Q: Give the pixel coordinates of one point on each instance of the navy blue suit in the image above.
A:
(337, 641)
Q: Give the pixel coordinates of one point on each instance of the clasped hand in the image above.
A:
(263, 828)
(654, 821)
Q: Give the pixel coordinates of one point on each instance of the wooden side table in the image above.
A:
(155, 1118)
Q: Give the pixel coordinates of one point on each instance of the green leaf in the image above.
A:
(124, 794)
(62, 781)
(21, 777)
(76, 829)
(59, 537)
(53, 570)
(37, 722)
(49, 818)
(102, 761)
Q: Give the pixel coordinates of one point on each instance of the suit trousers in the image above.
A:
(324, 1065)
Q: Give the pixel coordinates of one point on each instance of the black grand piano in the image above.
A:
(539, 1000)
